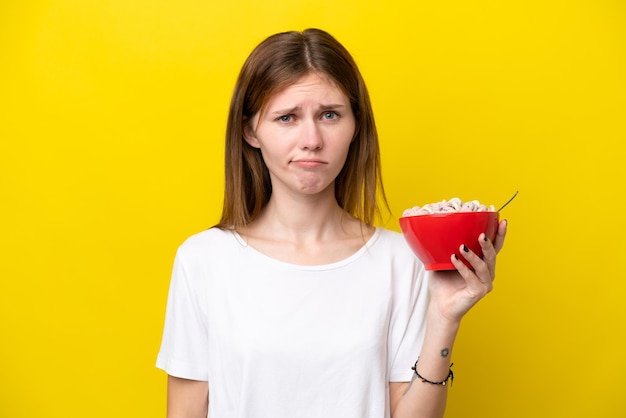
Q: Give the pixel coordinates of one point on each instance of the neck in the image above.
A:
(303, 219)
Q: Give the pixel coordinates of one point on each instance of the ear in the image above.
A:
(250, 136)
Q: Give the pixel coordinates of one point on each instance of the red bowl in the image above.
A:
(435, 237)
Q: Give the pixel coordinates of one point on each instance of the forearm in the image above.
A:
(422, 399)
(187, 398)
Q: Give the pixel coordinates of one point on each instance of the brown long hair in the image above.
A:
(276, 63)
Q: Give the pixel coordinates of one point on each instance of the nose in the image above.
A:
(311, 137)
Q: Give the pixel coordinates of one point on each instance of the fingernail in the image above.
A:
(456, 257)
(485, 237)
(465, 248)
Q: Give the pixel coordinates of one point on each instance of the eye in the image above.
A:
(330, 115)
(285, 118)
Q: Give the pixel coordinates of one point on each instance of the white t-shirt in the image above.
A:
(278, 340)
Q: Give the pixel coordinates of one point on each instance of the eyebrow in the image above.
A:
(294, 109)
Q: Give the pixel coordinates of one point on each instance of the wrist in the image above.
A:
(449, 377)
(436, 320)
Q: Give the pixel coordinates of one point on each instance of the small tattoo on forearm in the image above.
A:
(445, 352)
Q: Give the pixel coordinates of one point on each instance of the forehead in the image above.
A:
(313, 86)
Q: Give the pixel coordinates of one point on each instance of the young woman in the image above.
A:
(295, 305)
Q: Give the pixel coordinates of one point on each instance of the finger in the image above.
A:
(479, 279)
(501, 234)
(481, 269)
(489, 254)
(460, 266)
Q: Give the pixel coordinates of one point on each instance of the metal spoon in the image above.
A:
(508, 201)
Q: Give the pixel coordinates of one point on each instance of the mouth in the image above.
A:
(308, 163)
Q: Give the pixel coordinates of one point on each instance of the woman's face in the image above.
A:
(304, 134)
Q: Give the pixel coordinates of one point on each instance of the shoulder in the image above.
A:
(394, 242)
(392, 247)
(207, 242)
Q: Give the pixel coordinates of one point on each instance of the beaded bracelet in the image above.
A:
(442, 383)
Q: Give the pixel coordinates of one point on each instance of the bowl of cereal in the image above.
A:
(436, 231)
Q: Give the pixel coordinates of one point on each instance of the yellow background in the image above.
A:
(112, 116)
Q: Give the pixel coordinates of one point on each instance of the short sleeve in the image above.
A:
(184, 345)
(407, 327)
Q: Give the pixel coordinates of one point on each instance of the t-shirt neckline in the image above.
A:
(364, 248)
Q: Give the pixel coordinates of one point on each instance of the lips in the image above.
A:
(308, 163)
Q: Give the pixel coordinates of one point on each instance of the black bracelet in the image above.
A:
(442, 383)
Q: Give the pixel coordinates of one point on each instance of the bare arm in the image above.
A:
(187, 398)
(422, 399)
(453, 294)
